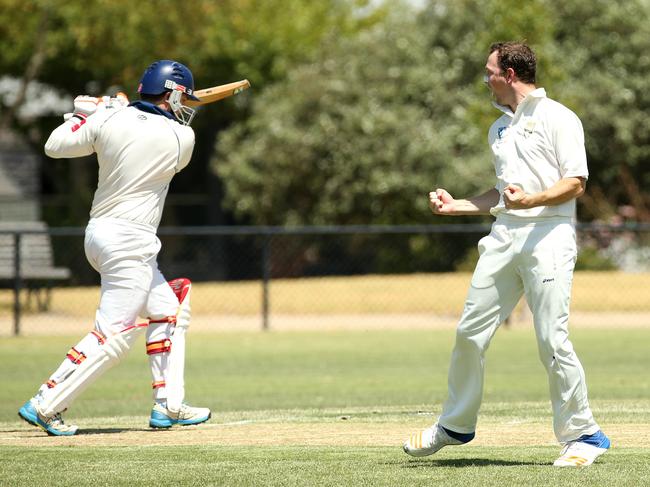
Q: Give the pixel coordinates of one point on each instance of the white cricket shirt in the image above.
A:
(138, 154)
(535, 147)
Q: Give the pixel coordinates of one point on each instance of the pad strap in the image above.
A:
(161, 346)
(101, 339)
(75, 356)
(166, 319)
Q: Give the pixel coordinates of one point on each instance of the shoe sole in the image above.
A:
(166, 424)
(193, 422)
(412, 448)
(24, 415)
(52, 432)
(44, 428)
(578, 464)
(420, 452)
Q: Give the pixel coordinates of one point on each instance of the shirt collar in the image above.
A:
(145, 106)
(536, 93)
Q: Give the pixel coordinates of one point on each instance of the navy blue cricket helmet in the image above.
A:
(167, 75)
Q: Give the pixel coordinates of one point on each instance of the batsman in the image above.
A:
(541, 168)
(140, 147)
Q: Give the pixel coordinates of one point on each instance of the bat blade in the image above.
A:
(216, 93)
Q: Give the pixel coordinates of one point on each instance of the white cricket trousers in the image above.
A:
(527, 256)
(125, 253)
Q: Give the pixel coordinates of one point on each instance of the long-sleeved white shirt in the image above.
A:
(138, 154)
(535, 147)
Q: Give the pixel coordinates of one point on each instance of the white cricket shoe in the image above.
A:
(429, 441)
(583, 451)
(161, 417)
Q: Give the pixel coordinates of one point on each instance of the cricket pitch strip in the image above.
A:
(342, 432)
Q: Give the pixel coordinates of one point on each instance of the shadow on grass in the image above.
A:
(110, 431)
(468, 462)
(37, 431)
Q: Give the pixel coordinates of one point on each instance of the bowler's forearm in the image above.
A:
(564, 190)
(477, 205)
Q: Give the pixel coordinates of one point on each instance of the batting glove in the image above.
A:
(120, 100)
(85, 105)
(112, 102)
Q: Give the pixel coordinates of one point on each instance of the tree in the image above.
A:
(605, 50)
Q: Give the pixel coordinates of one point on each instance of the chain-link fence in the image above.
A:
(346, 276)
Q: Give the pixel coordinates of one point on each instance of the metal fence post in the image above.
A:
(266, 277)
(18, 284)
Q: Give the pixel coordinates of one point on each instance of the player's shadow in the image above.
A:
(468, 462)
(109, 431)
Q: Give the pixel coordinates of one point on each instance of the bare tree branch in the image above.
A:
(634, 193)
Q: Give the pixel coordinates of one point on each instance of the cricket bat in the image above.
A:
(216, 93)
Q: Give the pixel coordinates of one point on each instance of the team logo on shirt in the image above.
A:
(529, 127)
(500, 132)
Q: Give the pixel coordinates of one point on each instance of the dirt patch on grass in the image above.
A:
(341, 433)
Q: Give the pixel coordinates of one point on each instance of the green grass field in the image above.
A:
(326, 408)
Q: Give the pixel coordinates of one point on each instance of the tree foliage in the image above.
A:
(345, 139)
(112, 42)
(99, 46)
(605, 50)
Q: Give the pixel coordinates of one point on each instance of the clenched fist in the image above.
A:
(515, 198)
(441, 202)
